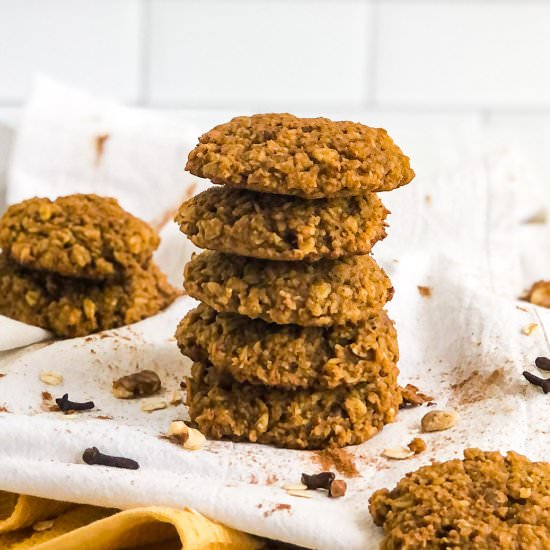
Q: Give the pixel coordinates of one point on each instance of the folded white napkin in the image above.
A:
(459, 234)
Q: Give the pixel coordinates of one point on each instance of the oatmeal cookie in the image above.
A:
(321, 294)
(306, 157)
(274, 227)
(76, 307)
(485, 501)
(85, 236)
(300, 419)
(289, 356)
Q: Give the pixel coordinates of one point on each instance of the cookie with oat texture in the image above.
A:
(85, 236)
(306, 157)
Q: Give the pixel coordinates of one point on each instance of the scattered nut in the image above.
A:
(176, 397)
(417, 445)
(195, 440)
(529, 329)
(139, 384)
(435, 421)
(295, 487)
(190, 438)
(40, 526)
(539, 294)
(398, 453)
(153, 405)
(178, 431)
(525, 492)
(51, 378)
(337, 488)
(302, 494)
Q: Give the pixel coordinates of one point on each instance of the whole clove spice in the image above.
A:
(93, 456)
(543, 363)
(537, 381)
(65, 404)
(318, 481)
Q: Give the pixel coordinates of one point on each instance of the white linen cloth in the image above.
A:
(459, 233)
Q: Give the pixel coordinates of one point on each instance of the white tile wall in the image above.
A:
(249, 51)
(490, 54)
(484, 55)
(92, 43)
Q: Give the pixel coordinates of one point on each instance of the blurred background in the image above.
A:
(446, 77)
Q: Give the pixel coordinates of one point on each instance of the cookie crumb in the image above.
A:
(417, 445)
(425, 291)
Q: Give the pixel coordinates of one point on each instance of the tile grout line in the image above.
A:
(372, 54)
(144, 95)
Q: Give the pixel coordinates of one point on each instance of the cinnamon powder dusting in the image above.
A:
(339, 459)
(277, 508)
(477, 386)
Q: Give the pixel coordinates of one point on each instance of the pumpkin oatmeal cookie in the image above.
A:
(75, 307)
(290, 356)
(275, 227)
(323, 293)
(85, 236)
(300, 419)
(307, 157)
(483, 502)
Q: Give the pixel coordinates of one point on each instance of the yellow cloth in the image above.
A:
(80, 527)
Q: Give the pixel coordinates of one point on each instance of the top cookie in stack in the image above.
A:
(291, 344)
(78, 264)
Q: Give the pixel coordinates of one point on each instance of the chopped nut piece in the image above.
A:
(337, 488)
(529, 329)
(417, 445)
(302, 494)
(413, 397)
(397, 453)
(195, 440)
(539, 294)
(435, 421)
(51, 378)
(40, 526)
(525, 492)
(178, 431)
(295, 487)
(176, 397)
(139, 384)
(153, 405)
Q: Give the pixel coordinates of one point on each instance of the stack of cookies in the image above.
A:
(290, 344)
(78, 265)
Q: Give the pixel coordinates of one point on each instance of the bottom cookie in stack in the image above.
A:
(71, 307)
(291, 386)
(295, 419)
